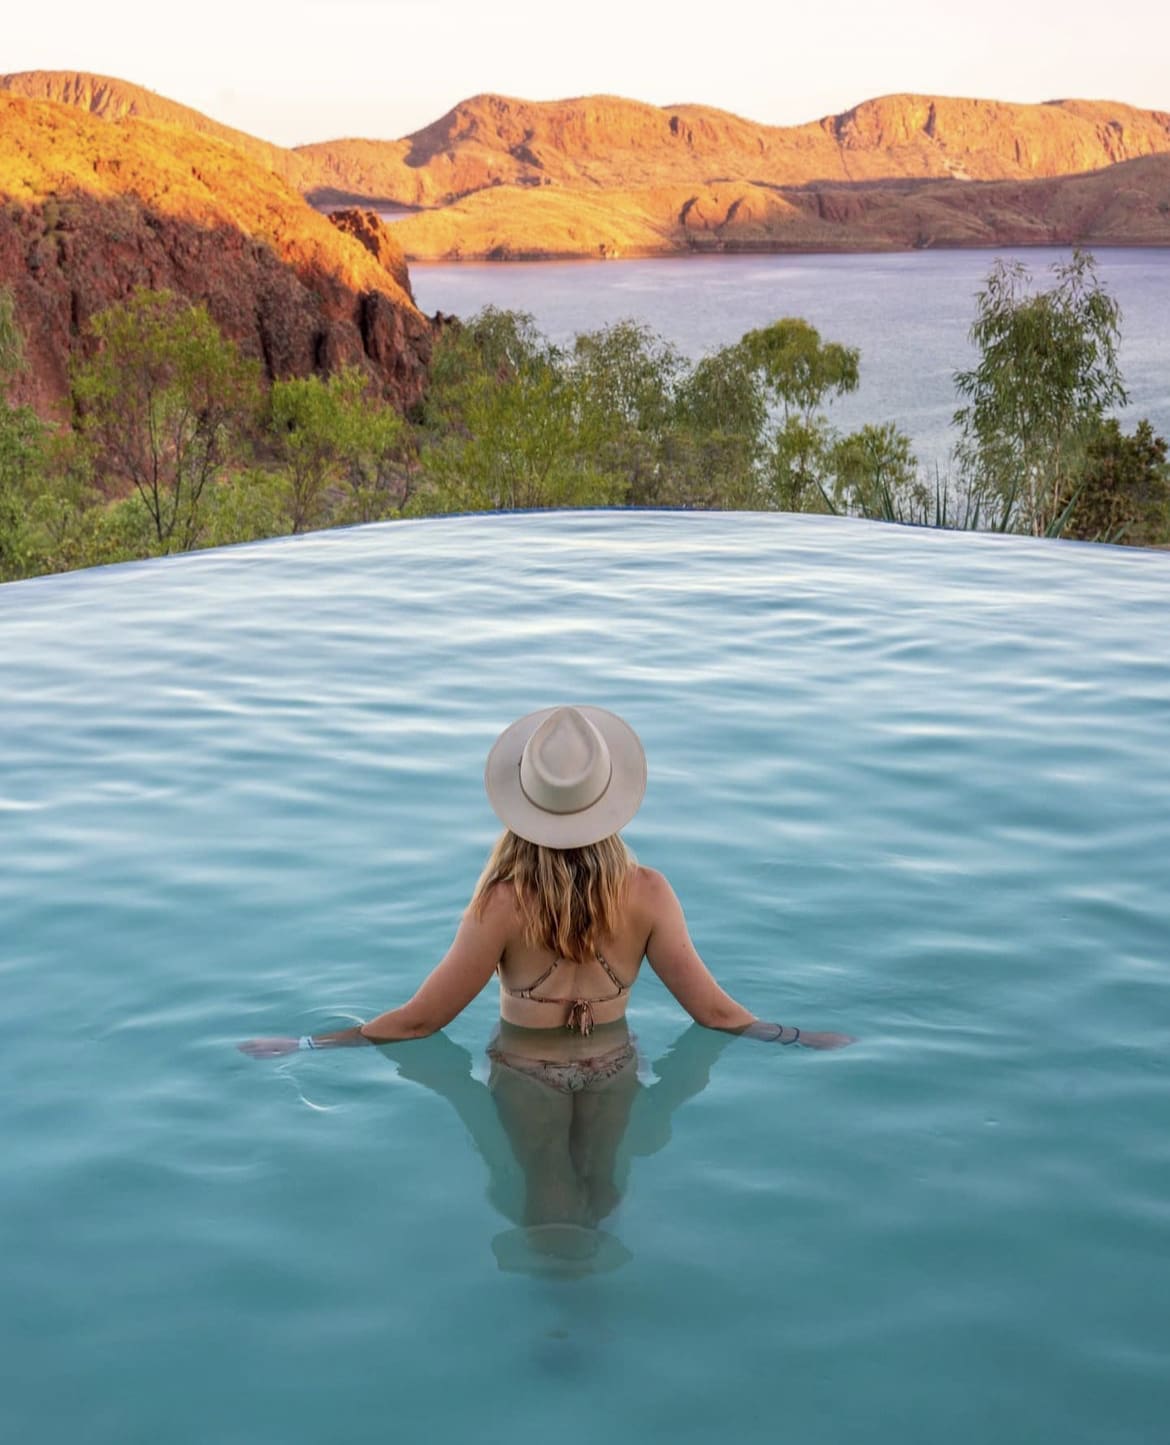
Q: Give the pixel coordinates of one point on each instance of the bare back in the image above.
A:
(490, 941)
(562, 983)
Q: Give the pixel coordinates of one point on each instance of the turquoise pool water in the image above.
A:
(910, 785)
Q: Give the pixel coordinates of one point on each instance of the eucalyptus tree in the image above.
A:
(1123, 493)
(799, 375)
(507, 424)
(800, 372)
(875, 474)
(627, 378)
(1046, 377)
(23, 441)
(163, 401)
(716, 446)
(330, 437)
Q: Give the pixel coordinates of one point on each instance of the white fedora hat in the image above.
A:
(565, 777)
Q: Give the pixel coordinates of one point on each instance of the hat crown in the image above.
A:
(566, 765)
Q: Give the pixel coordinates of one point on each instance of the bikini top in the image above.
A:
(580, 1019)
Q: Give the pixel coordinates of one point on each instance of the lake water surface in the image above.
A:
(910, 785)
(908, 313)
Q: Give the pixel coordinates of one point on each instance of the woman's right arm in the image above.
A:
(446, 991)
(675, 959)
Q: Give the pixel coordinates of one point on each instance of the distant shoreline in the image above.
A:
(705, 253)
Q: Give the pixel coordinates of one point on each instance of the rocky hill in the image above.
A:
(111, 99)
(92, 208)
(1128, 204)
(605, 143)
(502, 179)
(601, 176)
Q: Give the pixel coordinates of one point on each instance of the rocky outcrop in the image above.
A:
(375, 235)
(91, 209)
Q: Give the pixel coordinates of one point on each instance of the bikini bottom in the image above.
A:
(569, 1076)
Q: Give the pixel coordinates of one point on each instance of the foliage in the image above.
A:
(245, 506)
(168, 409)
(1046, 375)
(522, 441)
(330, 436)
(799, 370)
(628, 372)
(493, 346)
(626, 378)
(23, 443)
(716, 444)
(798, 464)
(875, 474)
(11, 340)
(164, 402)
(1123, 490)
(796, 375)
(509, 424)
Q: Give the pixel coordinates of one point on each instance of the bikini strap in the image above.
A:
(536, 982)
(613, 978)
(529, 989)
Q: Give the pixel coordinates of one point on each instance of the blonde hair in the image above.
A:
(569, 898)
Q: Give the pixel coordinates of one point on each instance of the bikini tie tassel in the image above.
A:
(580, 1018)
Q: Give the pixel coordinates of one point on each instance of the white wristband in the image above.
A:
(306, 1042)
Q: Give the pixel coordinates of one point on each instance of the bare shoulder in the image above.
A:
(651, 894)
(499, 907)
(648, 884)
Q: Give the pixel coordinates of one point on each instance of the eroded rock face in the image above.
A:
(91, 209)
(376, 236)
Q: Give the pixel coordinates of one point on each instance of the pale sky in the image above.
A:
(306, 70)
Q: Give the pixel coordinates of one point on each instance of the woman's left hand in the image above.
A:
(268, 1048)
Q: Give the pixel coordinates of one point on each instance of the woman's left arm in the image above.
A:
(448, 989)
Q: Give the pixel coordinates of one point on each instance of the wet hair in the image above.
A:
(569, 898)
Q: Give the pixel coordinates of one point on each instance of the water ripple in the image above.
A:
(908, 784)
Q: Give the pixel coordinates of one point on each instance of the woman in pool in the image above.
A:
(564, 916)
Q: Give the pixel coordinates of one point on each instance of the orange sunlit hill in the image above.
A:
(589, 176)
(93, 209)
(603, 177)
(109, 186)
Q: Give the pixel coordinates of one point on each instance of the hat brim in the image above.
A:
(612, 811)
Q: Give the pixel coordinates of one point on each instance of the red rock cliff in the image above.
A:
(90, 209)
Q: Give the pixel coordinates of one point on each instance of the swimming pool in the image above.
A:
(911, 785)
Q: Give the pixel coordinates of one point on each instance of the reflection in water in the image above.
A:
(558, 1162)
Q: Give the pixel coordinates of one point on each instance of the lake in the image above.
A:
(909, 313)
